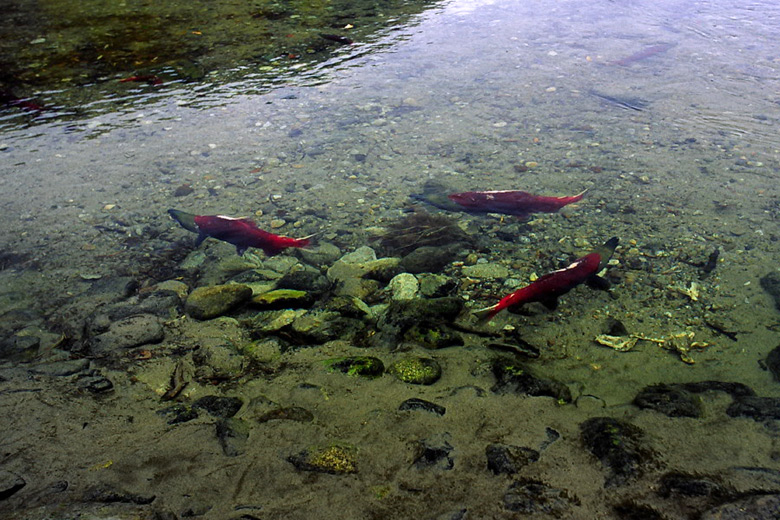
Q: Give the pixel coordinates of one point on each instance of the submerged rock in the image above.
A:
(283, 298)
(205, 303)
(10, 483)
(503, 458)
(772, 363)
(365, 366)
(269, 322)
(430, 259)
(617, 445)
(416, 370)
(218, 363)
(178, 413)
(233, 435)
(162, 303)
(109, 495)
(358, 273)
(630, 510)
(733, 389)
(61, 368)
(348, 306)
(771, 284)
(181, 289)
(756, 507)
(95, 383)
(363, 263)
(405, 313)
(336, 460)
(403, 286)
(321, 326)
(20, 349)
(218, 406)
(128, 333)
(435, 453)
(486, 271)
(758, 408)
(323, 253)
(421, 404)
(518, 378)
(534, 497)
(682, 485)
(670, 400)
(15, 319)
(433, 336)
(305, 278)
(436, 285)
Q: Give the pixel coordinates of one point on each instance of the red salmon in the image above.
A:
(511, 202)
(549, 287)
(241, 232)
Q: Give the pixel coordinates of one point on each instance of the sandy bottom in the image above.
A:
(85, 213)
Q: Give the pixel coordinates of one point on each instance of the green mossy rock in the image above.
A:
(416, 370)
(336, 460)
(268, 322)
(365, 366)
(405, 313)
(322, 326)
(283, 299)
(433, 336)
(205, 303)
(348, 306)
(514, 377)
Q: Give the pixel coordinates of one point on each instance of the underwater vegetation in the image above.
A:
(419, 229)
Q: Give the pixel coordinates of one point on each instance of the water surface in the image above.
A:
(666, 113)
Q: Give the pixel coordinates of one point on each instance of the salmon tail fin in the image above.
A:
(186, 220)
(578, 197)
(304, 242)
(487, 314)
(606, 252)
(612, 243)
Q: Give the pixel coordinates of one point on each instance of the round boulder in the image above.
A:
(205, 303)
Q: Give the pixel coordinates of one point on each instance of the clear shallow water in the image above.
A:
(68, 61)
(667, 113)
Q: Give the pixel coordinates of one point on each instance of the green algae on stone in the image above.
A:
(261, 352)
(268, 322)
(336, 460)
(365, 366)
(321, 326)
(348, 306)
(205, 303)
(416, 370)
(283, 298)
(405, 313)
(433, 336)
(513, 377)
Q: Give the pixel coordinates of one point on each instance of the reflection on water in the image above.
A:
(78, 59)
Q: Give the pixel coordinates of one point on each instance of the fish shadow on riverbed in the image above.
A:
(419, 229)
(625, 102)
